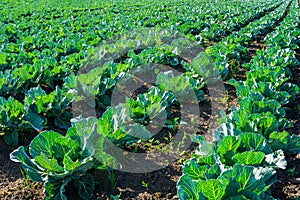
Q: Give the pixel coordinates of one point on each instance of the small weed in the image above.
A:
(112, 179)
(146, 185)
(292, 171)
(115, 197)
(26, 178)
(225, 99)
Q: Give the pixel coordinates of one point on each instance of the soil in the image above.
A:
(12, 183)
(288, 184)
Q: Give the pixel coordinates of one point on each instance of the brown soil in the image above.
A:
(288, 184)
(12, 183)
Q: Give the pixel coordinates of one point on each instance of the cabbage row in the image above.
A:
(231, 51)
(252, 143)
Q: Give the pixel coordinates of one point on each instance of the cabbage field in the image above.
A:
(149, 99)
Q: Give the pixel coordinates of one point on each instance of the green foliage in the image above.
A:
(14, 117)
(50, 106)
(151, 106)
(57, 160)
